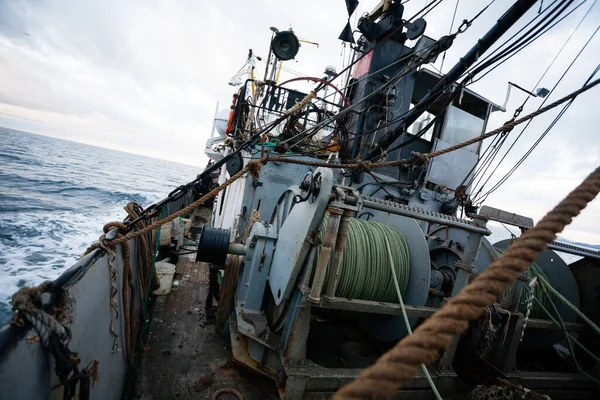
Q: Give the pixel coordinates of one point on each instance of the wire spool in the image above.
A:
(389, 328)
(392, 327)
(559, 275)
(366, 272)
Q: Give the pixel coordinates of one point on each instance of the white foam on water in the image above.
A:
(52, 242)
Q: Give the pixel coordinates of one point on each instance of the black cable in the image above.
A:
(537, 142)
(380, 186)
(500, 47)
(524, 157)
(521, 107)
(424, 9)
(480, 12)
(495, 187)
(529, 37)
(507, 20)
(409, 68)
(484, 165)
(387, 124)
(450, 30)
(523, 46)
(467, 23)
(501, 139)
(560, 50)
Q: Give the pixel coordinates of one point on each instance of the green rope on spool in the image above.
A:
(366, 269)
(539, 292)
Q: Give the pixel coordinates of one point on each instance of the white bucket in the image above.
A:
(165, 272)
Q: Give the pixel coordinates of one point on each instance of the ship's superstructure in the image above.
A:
(343, 237)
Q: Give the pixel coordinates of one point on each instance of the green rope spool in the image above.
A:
(366, 270)
(539, 293)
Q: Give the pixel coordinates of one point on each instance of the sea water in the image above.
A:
(55, 197)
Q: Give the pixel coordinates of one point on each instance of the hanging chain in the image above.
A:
(530, 300)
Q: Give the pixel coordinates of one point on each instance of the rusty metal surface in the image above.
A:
(506, 217)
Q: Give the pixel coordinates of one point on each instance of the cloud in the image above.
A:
(144, 76)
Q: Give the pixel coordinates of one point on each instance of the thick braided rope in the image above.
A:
(26, 305)
(401, 363)
(142, 248)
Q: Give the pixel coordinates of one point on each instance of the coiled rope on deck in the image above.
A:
(366, 266)
(401, 363)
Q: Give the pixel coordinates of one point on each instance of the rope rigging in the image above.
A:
(253, 167)
(450, 30)
(520, 45)
(377, 253)
(152, 210)
(471, 57)
(548, 20)
(484, 167)
(444, 42)
(401, 363)
(481, 197)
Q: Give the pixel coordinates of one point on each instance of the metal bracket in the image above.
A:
(505, 217)
(346, 198)
(424, 215)
(292, 246)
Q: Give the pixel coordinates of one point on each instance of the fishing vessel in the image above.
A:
(328, 226)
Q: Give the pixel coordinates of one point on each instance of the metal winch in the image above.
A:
(330, 258)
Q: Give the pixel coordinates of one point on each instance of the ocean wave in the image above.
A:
(95, 191)
(10, 157)
(55, 199)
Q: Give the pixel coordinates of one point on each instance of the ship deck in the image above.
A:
(186, 358)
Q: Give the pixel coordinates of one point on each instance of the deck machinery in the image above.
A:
(316, 298)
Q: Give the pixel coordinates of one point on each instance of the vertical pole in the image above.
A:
(336, 264)
(328, 242)
(278, 72)
(252, 67)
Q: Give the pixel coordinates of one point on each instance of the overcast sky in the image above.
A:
(145, 76)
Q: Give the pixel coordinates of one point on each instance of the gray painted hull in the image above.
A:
(27, 369)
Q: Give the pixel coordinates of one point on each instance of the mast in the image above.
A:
(503, 24)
